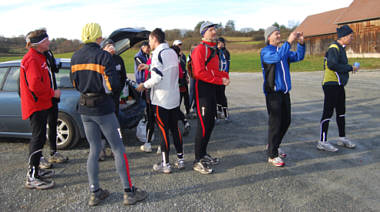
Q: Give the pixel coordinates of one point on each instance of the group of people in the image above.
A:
(162, 76)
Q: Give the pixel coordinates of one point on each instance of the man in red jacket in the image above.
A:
(205, 68)
(36, 92)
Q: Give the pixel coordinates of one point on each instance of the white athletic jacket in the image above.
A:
(164, 77)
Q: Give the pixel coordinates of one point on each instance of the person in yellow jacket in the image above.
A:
(335, 78)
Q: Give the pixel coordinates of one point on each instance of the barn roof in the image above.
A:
(327, 22)
(360, 10)
(320, 24)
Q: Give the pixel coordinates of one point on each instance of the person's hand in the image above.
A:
(142, 66)
(57, 93)
(140, 87)
(301, 39)
(292, 37)
(355, 69)
(226, 81)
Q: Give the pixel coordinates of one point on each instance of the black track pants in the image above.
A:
(335, 98)
(168, 120)
(52, 120)
(205, 94)
(38, 122)
(278, 106)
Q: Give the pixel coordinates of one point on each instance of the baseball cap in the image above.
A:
(177, 42)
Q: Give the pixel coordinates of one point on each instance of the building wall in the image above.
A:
(366, 41)
(318, 45)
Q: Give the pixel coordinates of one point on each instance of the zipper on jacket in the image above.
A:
(283, 74)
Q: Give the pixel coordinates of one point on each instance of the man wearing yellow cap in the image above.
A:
(94, 75)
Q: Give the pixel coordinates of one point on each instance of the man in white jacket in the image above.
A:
(164, 96)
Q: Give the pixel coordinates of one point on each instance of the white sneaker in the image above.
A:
(276, 162)
(180, 164)
(164, 168)
(158, 150)
(147, 147)
(326, 146)
(345, 142)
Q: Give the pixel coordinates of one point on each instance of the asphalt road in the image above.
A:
(311, 180)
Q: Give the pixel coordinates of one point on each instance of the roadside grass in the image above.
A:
(238, 39)
(244, 61)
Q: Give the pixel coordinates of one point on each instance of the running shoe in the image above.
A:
(158, 150)
(326, 146)
(44, 164)
(202, 167)
(180, 163)
(43, 173)
(147, 147)
(277, 161)
(102, 155)
(58, 158)
(134, 195)
(98, 196)
(345, 142)
(38, 183)
(281, 153)
(164, 168)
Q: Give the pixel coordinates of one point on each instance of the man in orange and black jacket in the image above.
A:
(205, 70)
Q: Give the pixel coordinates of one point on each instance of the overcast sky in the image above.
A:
(65, 18)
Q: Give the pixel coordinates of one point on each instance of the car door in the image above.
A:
(10, 112)
(126, 38)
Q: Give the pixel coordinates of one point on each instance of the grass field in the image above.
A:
(248, 61)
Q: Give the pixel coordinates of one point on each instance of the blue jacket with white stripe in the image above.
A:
(275, 62)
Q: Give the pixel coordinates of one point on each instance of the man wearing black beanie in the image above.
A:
(335, 78)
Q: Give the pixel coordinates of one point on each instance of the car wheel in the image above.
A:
(66, 132)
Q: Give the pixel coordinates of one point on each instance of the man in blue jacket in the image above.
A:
(275, 61)
(141, 58)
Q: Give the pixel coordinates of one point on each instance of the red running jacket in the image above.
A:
(209, 73)
(35, 84)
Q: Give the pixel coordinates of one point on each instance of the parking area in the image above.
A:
(311, 180)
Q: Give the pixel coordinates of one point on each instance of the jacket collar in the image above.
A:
(36, 53)
(161, 47)
(92, 45)
(209, 43)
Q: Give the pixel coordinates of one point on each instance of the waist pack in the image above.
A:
(92, 99)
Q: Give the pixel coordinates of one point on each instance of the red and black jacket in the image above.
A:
(35, 84)
(210, 73)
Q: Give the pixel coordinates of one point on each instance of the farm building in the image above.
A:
(363, 16)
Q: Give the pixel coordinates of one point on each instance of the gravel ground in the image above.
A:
(311, 180)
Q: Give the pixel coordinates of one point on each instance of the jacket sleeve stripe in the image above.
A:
(157, 71)
(92, 67)
(88, 67)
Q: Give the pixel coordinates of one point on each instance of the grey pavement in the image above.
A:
(347, 180)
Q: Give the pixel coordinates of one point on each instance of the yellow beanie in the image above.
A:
(91, 32)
